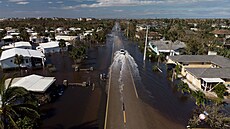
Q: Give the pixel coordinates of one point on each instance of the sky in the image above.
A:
(116, 8)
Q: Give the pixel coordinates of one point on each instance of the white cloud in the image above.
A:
(118, 10)
(23, 2)
(59, 2)
(0, 2)
(109, 3)
(50, 2)
(16, 1)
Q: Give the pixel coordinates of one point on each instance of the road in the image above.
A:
(124, 107)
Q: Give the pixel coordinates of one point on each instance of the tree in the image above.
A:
(62, 44)
(215, 118)
(78, 53)
(220, 90)
(24, 35)
(18, 60)
(16, 104)
(183, 87)
(200, 97)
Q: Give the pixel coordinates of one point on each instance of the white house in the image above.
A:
(31, 58)
(167, 47)
(50, 47)
(65, 37)
(34, 83)
(21, 44)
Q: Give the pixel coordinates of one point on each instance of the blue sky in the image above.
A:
(116, 8)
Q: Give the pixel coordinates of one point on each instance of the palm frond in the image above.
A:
(13, 122)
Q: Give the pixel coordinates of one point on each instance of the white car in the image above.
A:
(122, 51)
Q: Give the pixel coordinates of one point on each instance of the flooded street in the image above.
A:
(159, 101)
(84, 107)
(157, 91)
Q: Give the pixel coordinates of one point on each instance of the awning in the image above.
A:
(210, 80)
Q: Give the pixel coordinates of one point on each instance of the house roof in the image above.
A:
(221, 32)
(8, 37)
(211, 80)
(22, 43)
(24, 52)
(210, 72)
(52, 44)
(215, 59)
(35, 83)
(166, 45)
(17, 44)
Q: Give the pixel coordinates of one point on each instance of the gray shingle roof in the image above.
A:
(223, 73)
(166, 45)
(215, 59)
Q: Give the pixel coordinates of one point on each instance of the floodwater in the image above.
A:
(156, 90)
(84, 108)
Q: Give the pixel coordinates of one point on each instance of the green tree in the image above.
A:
(200, 97)
(220, 89)
(24, 35)
(214, 117)
(16, 104)
(62, 44)
(18, 60)
(183, 87)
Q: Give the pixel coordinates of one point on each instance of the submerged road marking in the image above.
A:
(133, 82)
(124, 115)
(107, 104)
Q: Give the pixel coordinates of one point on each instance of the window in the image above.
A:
(27, 61)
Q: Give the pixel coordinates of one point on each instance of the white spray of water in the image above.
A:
(119, 61)
(134, 66)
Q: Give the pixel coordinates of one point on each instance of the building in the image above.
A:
(66, 38)
(34, 83)
(21, 44)
(51, 47)
(41, 87)
(203, 71)
(222, 33)
(8, 39)
(166, 47)
(31, 58)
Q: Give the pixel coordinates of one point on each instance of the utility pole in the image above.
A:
(128, 29)
(146, 40)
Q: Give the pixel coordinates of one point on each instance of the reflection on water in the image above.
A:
(156, 90)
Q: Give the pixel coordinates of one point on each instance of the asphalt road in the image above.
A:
(124, 109)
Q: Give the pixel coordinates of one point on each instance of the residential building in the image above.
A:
(21, 44)
(203, 71)
(66, 38)
(222, 33)
(34, 83)
(31, 58)
(166, 47)
(43, 88)
(51, 47)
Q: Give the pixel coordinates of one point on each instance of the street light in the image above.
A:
(146, 40)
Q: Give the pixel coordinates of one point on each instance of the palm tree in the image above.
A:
(16, 104)
(183, 87)
(220, 90)
(62, 44)
(18, 60)
(200, 97)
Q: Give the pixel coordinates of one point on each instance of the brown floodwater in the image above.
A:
(84, 108)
